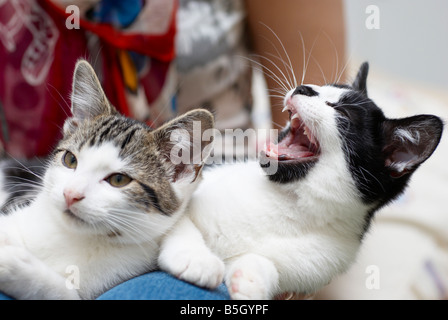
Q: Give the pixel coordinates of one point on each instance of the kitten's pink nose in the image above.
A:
(72, 197)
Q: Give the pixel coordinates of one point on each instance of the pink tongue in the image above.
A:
(295, 151)
(287, 152)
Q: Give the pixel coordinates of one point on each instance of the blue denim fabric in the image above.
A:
(5, 297)
(158, 286)
(162, 286)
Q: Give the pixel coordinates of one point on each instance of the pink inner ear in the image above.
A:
(400, 156)
(401, 162)
(410, 141)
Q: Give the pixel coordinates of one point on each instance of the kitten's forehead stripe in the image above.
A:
(111, 124)
(116, 129)
(109, 133)
(96, 128)
(128, 137)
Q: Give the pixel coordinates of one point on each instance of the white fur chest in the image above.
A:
(92, 263)
(238, 209)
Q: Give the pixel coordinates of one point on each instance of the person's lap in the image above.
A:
(158, 286)
(162, 286)
(5, 297)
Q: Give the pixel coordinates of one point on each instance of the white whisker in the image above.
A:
(308, 60)
(271, 73)
(286, 53)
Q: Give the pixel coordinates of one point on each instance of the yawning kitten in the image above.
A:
(338, 161)
(108, 195)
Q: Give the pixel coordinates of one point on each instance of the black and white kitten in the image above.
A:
(338, 161)
(108, 196)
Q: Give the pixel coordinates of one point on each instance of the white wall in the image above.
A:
(411, 42)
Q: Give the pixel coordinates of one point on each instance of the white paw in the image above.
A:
(246, 285)
(13, 259)
(201, 268)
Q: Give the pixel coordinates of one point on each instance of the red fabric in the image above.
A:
(160, 47)
(37, 57)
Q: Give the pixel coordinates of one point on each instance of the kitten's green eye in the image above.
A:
(69, 160)
(118, 180)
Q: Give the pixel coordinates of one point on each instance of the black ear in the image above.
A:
(360, 83)
(409, 142)
(185, 144)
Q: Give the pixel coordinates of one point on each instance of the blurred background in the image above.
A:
(409, 43)
(405, 255)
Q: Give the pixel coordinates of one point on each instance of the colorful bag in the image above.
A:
(38, 53)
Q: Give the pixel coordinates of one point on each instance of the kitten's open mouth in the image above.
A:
(298, 144)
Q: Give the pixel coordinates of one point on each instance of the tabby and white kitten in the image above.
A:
(339, 160)
(108, 195)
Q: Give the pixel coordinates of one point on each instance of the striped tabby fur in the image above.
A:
(79, 218)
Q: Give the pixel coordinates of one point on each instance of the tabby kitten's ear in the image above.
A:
(88, 98)
(409, 142)
(360, 83)
(180, 143)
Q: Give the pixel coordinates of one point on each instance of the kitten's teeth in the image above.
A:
(273, 148)
(295, 116)
(309, 135)
(285, 108)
